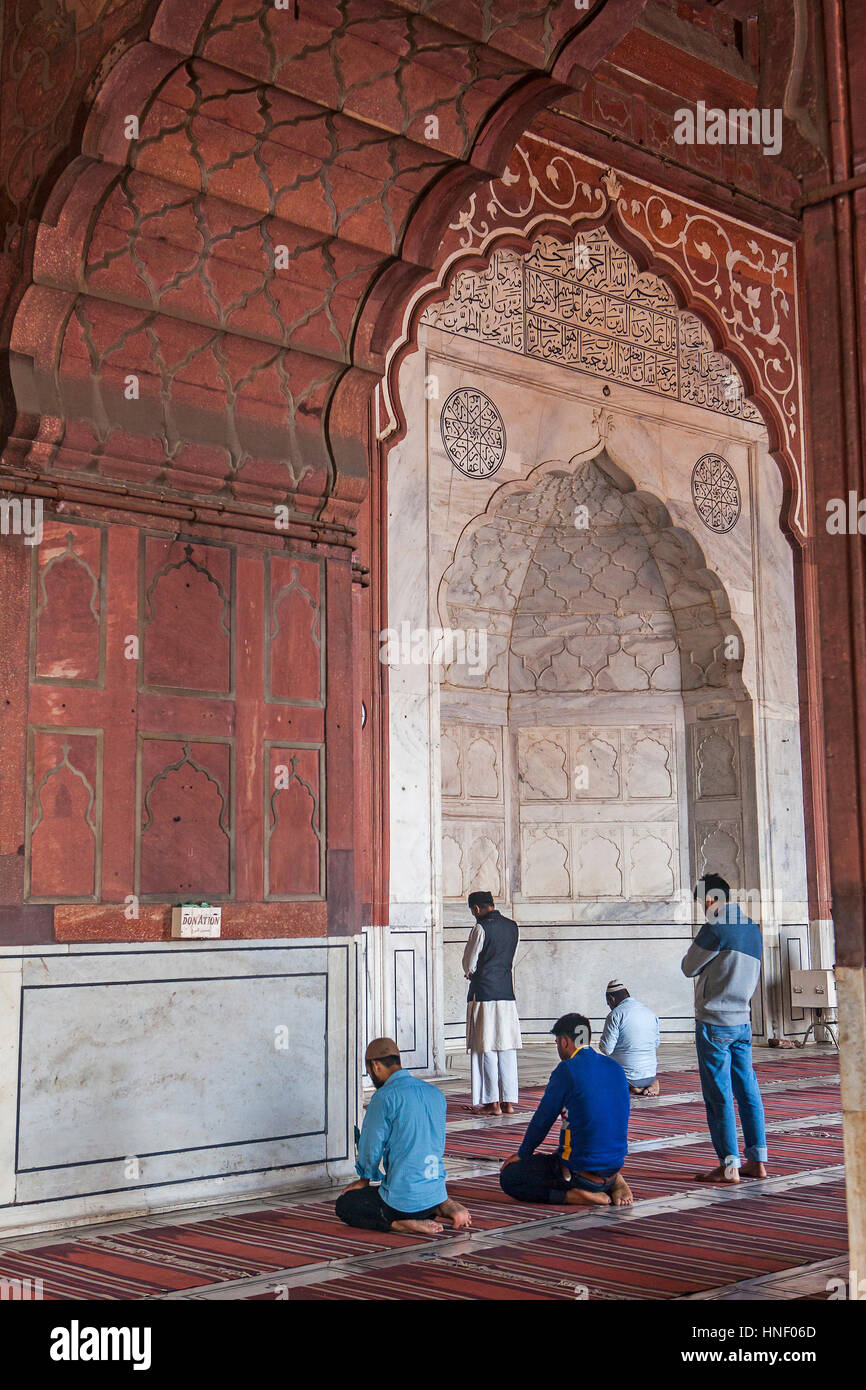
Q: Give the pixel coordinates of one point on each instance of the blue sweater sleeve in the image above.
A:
(549, 1106)
(374, 1136)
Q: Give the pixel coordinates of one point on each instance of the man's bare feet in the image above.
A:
(651, 1090)
(458, 1216)
(483, 1109)
(719, 1175)
(621, 1195)
(508, 1108)
(753, 1169)
(494, 1109)
(409, 1227)
(578, 1197)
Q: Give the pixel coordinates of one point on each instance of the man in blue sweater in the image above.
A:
(725, 959)
(590, 1091)
(404, 1135)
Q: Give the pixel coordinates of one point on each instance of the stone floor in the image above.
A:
(292, 1246)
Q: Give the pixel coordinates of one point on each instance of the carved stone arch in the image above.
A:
(155, 254)
(648, 513)
(765, 359)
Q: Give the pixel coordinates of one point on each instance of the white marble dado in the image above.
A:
(562, 970)
(398, 966)
(145, 1073)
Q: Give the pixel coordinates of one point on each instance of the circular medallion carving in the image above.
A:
(716, 493)
(473, 433)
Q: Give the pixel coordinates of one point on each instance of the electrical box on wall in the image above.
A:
(813, 989)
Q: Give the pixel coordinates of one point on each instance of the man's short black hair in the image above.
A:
(480, 900)
(388, 1061)
(712, 883)
(572, 1026)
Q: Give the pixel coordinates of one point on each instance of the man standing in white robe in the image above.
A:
(492, 1023)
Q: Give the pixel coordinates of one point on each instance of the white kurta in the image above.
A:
(491, 1025)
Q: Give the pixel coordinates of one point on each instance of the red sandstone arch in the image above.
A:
(263, 134)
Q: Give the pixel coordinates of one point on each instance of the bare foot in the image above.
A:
(417, 1228)
(577, 1197)
(720, 1175)
(753, 1169)
(452, 1211)
(621, 1196)
(651, 1090)
(493, 1109)
(508, 1108)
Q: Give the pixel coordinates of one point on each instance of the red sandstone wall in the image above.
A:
(156, 684)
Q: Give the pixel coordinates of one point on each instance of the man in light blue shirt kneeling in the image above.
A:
(404, 1135)
(631, 1037)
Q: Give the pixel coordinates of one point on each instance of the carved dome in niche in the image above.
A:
(583, 585)
(584, 305)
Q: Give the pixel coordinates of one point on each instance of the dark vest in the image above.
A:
(492, 978)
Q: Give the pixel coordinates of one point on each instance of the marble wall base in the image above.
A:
(399, 991)
(138, 1078)
(566, 969)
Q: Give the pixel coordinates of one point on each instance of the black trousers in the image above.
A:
(364, 1208)
(539, 1179)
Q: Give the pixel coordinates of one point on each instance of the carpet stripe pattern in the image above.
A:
(678, 1082)
(656, 1256)
(660, 1257)
(492, 1141)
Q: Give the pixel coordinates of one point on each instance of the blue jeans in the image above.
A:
(725, 1065)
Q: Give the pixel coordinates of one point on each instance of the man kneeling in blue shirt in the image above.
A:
(591, 1093)
(404, 1131)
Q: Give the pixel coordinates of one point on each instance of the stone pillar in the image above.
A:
(833, 266)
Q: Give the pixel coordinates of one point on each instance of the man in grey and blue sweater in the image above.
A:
(725, 959)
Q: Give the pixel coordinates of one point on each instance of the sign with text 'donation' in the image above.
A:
(196, 920)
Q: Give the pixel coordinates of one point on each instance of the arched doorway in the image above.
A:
(589, 490)
(615, 764)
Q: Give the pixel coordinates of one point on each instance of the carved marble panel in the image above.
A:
(586, 306)
(653, 866)
(472, 763)
(599, 860)
(545, 856)
(544, 768)
(720, 850)
(473, 857)
(649, 764)
(716, 761)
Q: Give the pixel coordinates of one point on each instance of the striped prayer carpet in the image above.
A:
(153, 1260)
(659, 1257)
(493, 1141)
(677, 1082)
